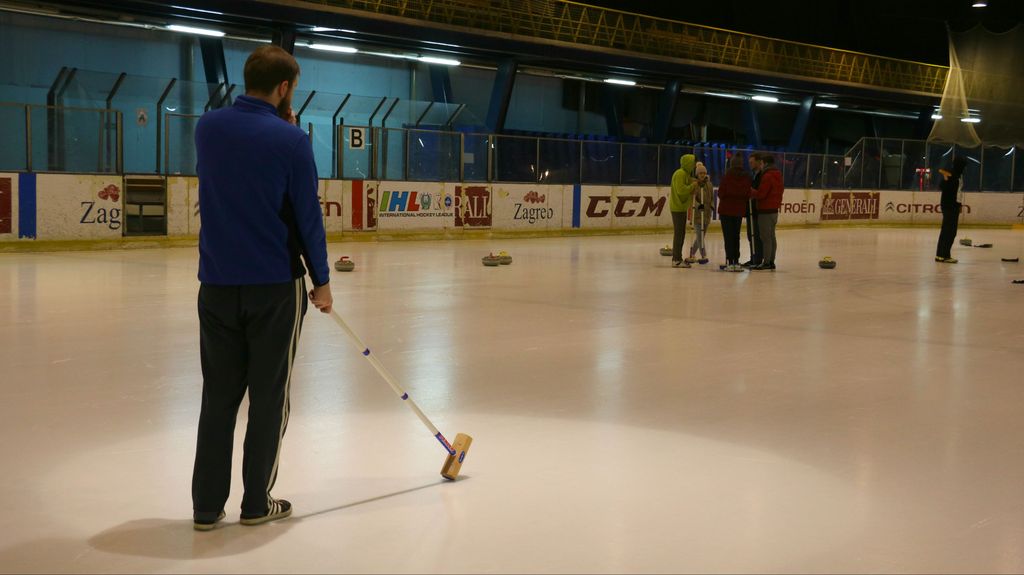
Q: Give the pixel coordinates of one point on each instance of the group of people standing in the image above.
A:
(756, 195)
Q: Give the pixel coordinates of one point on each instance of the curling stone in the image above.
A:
(827, 263)
(965, 241)
(666, 251)
(344, 264)
(504, 259)
(491, 260)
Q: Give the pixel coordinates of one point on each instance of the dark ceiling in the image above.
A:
(905, 29)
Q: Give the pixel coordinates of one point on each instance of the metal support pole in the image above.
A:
(462, 157)
(405, 163)
(375, 110)
(227, 97)
(106, 116)
(28, 138)
(424, 114)
(490, 157)
(215, 96)
(536, 163)
(807, 171)
(337, 134)
(384, 120)
(298, 115)
(622, 149)
(903, 160)
(384, 155)
(579, 175)
(120, 143)
(1013, 167)
(340, 152)
(159, 120)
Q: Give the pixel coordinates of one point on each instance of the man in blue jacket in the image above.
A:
(260, 218)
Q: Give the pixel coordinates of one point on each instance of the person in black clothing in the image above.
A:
(261, 219)
(753, 237)
(952, 187)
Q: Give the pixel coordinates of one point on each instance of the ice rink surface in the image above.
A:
(627, 416)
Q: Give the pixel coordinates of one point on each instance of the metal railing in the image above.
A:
(902, 164)
(40, 138)
(91, 141)
(605, 28)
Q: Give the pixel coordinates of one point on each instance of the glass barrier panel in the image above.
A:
(891, 164)
(639, 164)
(601, 162)
(559, 161)
(475, 157)
(794, 170)
(515, 159)
(916, 175)
(393, 147)
(816, 172)
(12, 138)
(1018, 170)
(355, 153)
(835, 172)
(997, 169)
(180, 155)
(433, 156)
(670, 157)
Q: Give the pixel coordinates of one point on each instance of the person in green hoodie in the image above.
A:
(679, 202)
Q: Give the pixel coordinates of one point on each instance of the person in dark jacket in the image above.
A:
(952, 190)
(733, 196)
(753, 237)
(260, 217)
(768, 194)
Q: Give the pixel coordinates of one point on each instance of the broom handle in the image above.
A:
(401, 393)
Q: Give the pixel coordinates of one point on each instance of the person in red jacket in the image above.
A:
(733, 193)
(769, 199)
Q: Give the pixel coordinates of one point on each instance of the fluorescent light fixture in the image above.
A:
(971, 120)
(979, 4)
(200, 31)
(724, 95)
(619, 82)
(322, 29)
(442, 61)
(761, 98)
(349, 31)
(936, 116)
(333, 48)
(826, 105)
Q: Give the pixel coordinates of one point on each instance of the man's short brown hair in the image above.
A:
(267, 67)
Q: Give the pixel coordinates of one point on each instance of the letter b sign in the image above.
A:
(356, 138)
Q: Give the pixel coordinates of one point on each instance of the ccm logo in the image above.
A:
(625, 206)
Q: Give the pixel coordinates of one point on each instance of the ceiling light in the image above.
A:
(200, 31)
(322, 29)
(936, 116)
(619, 82)
(979, 4)
(826, 105)
(723, 95)
(761, 98)
(971, 120)
(442, 61)
(333, 48)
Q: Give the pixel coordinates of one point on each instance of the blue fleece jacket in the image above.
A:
(257, 198)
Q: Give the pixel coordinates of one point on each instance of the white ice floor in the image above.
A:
(628, 417)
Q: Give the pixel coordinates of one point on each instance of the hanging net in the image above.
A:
(986, 82)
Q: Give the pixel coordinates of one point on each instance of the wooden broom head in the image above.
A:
(453, 463)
